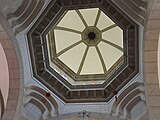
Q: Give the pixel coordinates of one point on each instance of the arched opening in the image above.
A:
(4, 77)
(9, 78)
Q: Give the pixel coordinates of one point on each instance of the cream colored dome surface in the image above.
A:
(87, 41)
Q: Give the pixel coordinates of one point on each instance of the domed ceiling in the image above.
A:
(84, 50)
(82, 45)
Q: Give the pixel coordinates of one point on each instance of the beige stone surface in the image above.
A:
(150, 67)
(1, 28)
(12, 64)
(14, 73)
(155, 113)
(150, 45)
(150, 56)
(14, 84)
(3, 36)
(12, 104)
(10, 54)
(8, 114)
(6, 44)
(154, 101)
(153, 24)
(155, 14)
(151, 78)
(152, 35)
(13, 94)
(153, 90)
(156, 5)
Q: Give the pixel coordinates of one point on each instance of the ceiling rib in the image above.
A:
(83, 60)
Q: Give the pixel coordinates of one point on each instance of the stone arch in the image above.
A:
(42, 107)
(37, 104)
(42, 92)
(14, 76)
(38, 93)
(24, 15)
(4, 79)
(128, 90)
(151, 60)
(130, 106)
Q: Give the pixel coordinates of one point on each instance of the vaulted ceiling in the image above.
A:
(104, 51)
(81, 51)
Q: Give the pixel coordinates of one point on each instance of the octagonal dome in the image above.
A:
(86, 42)
(99, 44)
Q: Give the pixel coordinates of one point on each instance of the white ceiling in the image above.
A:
(80, 57)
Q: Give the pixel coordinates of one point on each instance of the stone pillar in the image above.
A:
(151, 61)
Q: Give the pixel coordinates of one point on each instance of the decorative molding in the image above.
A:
(135, 9)
(54, 81)
(25, 14)
(14, 76)
(126, 101)
(37, 94)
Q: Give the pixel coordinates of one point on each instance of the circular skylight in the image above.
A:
(87, 42)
